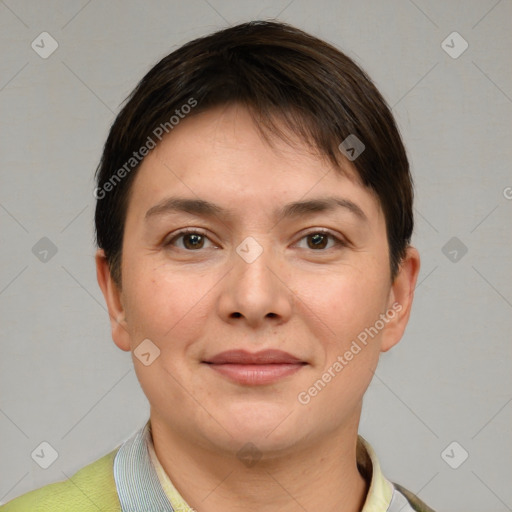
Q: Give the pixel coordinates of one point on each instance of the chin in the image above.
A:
(252, 443)
(258, 421)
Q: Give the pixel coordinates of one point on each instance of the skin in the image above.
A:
(309, 302)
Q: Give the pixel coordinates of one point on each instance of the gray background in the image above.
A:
(62, 380)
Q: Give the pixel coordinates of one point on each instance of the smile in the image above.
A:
(255, 369)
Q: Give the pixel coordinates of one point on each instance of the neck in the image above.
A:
(320, 476)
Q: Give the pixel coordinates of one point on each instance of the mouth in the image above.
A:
(253, 369)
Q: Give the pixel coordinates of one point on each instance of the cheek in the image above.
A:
(341, 308)
(163, 306)
(344, 303)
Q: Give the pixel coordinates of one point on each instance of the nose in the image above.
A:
(255, 292)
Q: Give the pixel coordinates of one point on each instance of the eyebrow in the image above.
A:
(204, 208)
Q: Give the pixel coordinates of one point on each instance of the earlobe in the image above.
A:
(401, 298)
(113, 299)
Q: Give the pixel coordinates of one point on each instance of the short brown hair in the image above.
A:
(280, 73)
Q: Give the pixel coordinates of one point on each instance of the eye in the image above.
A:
(192, 240)
(318, 240)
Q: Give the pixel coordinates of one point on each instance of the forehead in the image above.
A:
(221, 155)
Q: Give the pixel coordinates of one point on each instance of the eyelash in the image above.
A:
(338, 242)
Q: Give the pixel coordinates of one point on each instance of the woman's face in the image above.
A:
(285, 262)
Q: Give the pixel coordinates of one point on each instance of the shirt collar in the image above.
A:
(137, 467)
(380, 491)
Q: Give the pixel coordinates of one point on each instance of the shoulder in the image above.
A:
(92, 488)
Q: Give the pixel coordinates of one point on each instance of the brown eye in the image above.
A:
(193, 241)
(318, 240)
(188, 240)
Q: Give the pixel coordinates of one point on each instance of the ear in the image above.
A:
(400, 299)
(113, 298)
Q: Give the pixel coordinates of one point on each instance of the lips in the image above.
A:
(263, 357)
(255, 368)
